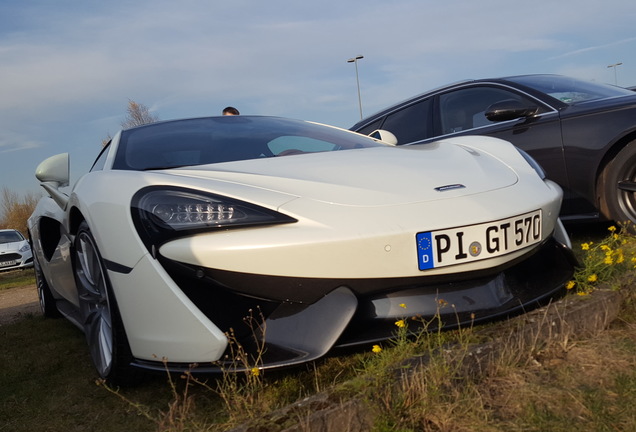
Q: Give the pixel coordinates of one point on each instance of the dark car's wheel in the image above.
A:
(617, 186)
(102, 325)
(45, 297)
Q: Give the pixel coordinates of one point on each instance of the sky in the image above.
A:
(68, 68)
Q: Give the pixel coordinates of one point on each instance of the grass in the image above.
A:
(16, 278)
(566, 385)
(587, 385)
(47, 383)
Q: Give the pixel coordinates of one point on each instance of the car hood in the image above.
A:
(12, 246)
(369, 177)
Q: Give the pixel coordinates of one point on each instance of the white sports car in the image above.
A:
(184, 228)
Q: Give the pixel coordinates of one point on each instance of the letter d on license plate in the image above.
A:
(477, 242)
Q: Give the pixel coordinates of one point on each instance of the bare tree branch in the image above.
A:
(138, 114)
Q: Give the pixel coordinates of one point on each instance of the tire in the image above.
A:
(102, 324)
(617, 187)
(45, 297)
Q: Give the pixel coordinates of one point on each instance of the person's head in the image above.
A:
(230, 111)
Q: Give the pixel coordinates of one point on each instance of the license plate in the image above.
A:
(477, 242)
(7, 263)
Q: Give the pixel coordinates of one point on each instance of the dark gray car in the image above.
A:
(582, 133)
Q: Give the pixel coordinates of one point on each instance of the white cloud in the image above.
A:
(10, 142)
(594, 48)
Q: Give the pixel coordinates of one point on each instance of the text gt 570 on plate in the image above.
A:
(477, 242)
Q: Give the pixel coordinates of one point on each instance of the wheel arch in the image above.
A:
(75, 219)
(610, 154)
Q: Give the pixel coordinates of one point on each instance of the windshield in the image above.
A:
(10, 237)
(228, 138)
(570, 90)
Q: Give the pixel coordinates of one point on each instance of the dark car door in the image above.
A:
(462, 111)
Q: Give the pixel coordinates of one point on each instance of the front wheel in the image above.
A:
(45, 297)
(617, 187)
(104, 330)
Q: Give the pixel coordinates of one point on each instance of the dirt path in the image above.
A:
(17, 302)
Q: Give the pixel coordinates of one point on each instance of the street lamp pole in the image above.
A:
(614, 67)
(354, 60)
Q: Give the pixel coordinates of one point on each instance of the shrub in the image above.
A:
(16, 209)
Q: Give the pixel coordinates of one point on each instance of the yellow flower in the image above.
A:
(620, 258)
(581, 293)
(612, 229)
(376, 349)
(585, 246)
(592, 278)
(400, 323)
(255, 371)
(609, 260)
(606, 248)
(570, 285)
(402, 305)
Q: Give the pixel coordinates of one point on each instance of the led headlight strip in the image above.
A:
(161, 213)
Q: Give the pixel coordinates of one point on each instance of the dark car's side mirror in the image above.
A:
(509, 110)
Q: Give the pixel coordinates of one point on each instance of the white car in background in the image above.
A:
(183, 228)
(15, 252)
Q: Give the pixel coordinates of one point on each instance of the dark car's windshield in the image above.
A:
(10, 237)
(570, 90)
(227, 138)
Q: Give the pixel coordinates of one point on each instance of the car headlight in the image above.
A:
(163, 213)
(24, 248)
(533, 163)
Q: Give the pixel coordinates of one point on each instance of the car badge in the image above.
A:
(449, 187)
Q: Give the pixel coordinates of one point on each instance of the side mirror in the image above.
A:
(54, 173)
(385, 136)
(55, 169)
(509, 110)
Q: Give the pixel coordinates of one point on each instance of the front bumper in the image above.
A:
(358, 311)
(13, 261)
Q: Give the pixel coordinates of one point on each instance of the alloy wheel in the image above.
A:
(93, 295)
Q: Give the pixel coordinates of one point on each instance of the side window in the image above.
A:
(410, 123)
(465, 109)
